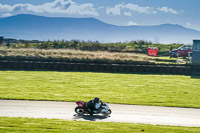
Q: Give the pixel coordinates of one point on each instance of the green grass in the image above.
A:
(30, 125)
(141, 89)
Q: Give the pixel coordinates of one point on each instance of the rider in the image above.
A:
(90, 106)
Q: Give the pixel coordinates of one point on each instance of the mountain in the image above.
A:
(32, 27)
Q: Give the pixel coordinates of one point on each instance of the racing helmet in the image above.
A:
(96, 100)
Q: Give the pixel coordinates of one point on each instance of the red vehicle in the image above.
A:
(152, 51)
(182, 51)
(100, 109)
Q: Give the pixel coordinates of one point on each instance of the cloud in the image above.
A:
(101, 7)
(167, 10)
(73, 8)
(127, 14)
(140, 9)
(132, 23)
(5, 7)
(128, 8)
(57, 6)
(188, 23)
(116, 10)
(6, 15)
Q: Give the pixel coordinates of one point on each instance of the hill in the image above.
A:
(32, 27)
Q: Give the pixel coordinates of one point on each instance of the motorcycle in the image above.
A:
(99, 109)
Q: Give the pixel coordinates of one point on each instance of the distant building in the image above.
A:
(1, 40)
(196, 52)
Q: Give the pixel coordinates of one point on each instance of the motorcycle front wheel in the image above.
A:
(109, 112)
(79, 110)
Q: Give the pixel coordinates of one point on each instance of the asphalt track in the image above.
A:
(120, 113)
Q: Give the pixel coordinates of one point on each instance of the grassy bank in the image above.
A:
(19, 125)
(67, 55)
(160, 90)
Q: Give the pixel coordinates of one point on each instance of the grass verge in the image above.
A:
(141, 89)
(30, 125)
(67, 55)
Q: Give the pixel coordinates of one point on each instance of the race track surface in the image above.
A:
(120, 113)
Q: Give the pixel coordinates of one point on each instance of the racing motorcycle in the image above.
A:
(99, 109)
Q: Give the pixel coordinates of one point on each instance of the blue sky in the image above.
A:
(116, 12)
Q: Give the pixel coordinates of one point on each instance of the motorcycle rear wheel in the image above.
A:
(79, 110)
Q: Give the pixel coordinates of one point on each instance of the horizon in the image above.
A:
(120, 13)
